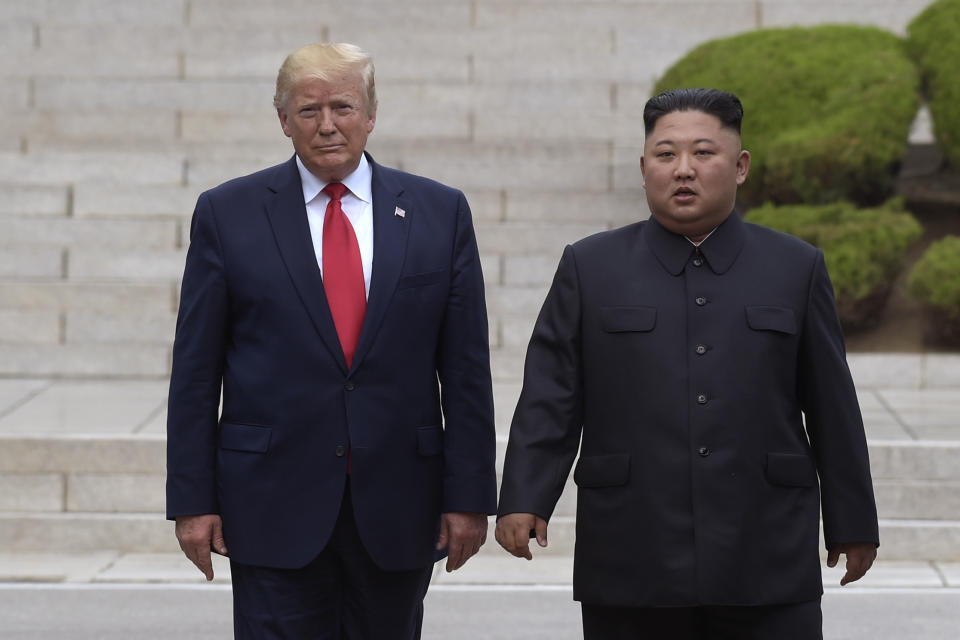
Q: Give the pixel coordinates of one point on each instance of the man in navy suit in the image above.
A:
(700, 359)
(331, 299)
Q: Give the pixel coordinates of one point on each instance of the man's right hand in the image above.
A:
(197, 536)
(513, 533)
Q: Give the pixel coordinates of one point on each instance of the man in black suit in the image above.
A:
(332, 298)
(688, 351)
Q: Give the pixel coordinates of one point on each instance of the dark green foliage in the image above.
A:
(935, 280)
(934, 41)
(864, 248)
(827, 109)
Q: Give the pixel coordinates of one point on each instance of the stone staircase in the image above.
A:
(114, 115)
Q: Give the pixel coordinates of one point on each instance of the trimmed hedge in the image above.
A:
(864, 249)
(933, 39)
(935, 280)
(828, 109)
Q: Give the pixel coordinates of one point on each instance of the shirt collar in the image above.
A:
(700, 242)
(357, 182)
(673, 250)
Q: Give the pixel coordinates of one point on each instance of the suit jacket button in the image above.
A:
(349, 386)
(697, 262)
(701, 349)
(703, 451)
(701, 399)
(701, 301)
(341, 450)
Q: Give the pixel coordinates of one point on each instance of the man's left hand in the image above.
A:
(860, 557)
(462, 534)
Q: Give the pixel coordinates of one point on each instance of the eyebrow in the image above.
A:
(697, 141)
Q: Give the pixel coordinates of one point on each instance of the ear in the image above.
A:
(371, 120)
(643, 172)
(283, 122)
(743, 166)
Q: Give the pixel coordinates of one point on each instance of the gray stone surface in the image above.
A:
(85, 532)
(105, 264)
(91, 166)
(887, 14)
(32, 262)
(135, 201)
(84, 453)
(120, 297)
(35, 327)
(115, 493)
(151, 327)
(23, 200)
(86, 407)
(203, 612)
(31, 492)
(103, 235)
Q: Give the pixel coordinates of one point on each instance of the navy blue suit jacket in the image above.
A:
(689, 378)
(254, 319)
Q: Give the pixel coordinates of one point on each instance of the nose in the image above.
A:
(684, 168)
(326, 125)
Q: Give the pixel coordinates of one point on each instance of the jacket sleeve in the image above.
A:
(195, 380)
(547, 424)
(834, 424)
(463, 369)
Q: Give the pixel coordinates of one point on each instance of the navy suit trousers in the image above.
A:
(341, 595)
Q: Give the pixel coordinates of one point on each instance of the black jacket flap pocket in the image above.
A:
(430, 441)
(245, 437)
(421, 279)
(625, 319)
(791, 470)
(772, 319)
(602, 471)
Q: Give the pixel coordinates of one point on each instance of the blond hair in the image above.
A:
(325, 61)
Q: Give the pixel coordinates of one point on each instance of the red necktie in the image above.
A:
(343, 272)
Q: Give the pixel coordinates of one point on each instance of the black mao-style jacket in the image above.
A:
(715, 407)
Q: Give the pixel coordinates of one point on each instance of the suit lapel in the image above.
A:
(288, 218)
(390, 233)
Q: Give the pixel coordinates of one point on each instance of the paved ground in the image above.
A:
(154, 612)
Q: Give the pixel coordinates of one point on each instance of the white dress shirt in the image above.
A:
(357, 204)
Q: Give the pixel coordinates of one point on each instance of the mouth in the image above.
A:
(328, 147)
(684, 194)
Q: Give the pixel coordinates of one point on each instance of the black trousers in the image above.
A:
(341, 595)
(797, 621)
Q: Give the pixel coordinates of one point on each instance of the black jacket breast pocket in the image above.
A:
(628, 319)
(770, 318)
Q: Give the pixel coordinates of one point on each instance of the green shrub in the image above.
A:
(864, 249)
(934, 41)
(935, 280)
(827, 109)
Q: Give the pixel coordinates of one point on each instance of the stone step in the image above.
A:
(125, 474)
(914, 466)
(913, 540)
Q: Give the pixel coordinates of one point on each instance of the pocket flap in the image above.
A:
(624, 319)
(791, 470)
(245, 437)
(782, 319)
(421, 279)
(430, 441)
(602, 471)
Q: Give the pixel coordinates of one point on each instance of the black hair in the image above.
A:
(722, 104)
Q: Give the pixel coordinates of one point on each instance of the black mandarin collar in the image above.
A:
(673, 250)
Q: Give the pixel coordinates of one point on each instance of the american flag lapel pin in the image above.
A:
(400, 213)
